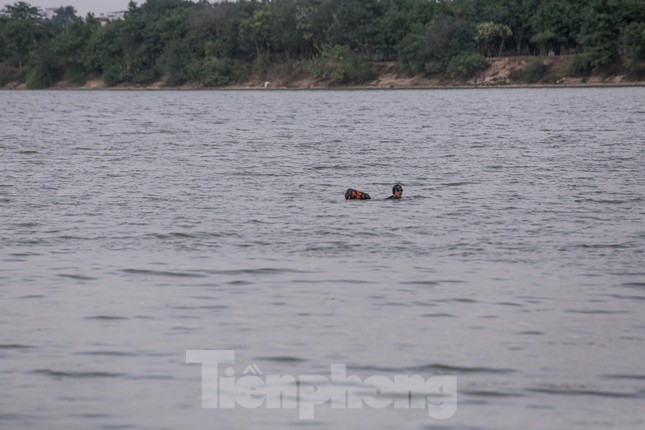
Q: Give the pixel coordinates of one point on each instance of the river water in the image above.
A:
(138, 226)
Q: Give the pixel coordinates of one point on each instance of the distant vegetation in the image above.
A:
(184, 42)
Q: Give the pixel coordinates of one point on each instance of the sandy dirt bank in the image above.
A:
(502, 72)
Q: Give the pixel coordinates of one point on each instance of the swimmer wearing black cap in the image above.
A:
(397, 192)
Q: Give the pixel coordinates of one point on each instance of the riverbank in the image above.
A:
(502, 72)
(506, 72)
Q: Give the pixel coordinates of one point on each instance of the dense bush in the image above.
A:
(533, 72)
(580, 66)
(466, 65)
(432, 48)
(633, 39)
(339, 64)
(11, 74)
(76, 74)
(213, 72)
(112, 74)
(46, 69)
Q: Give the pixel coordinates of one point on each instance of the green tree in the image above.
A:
(557, 25)
(445, 38)
(178, 51)
(393, 27)
(516, 14)
(400, 18)
(141, 43)
(307, 26)
(491, 37)
(63, 16)
(22, 11)
(21, 33)
(340, 65)
(255, 31)
(286, 35)
(71, 46)
(633, 41)
(217, 23)
(155, 9)
(600, 32)
(353, 23)
(46, 67)
(104, 54)
(464, 10)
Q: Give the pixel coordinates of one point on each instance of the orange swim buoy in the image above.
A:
(352, 194)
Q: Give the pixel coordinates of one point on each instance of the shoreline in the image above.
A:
(502, 72)
(367, 87)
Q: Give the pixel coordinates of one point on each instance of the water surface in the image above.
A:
(138, 225)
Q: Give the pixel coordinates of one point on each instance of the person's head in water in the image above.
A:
(397, 191)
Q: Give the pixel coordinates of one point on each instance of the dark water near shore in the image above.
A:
(135, 226)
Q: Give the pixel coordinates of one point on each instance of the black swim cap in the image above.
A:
(397, 187)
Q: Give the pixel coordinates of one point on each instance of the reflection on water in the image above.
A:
(139, 225)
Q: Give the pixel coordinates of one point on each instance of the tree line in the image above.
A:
(196, 42)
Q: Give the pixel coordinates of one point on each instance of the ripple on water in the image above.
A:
(106, 318)
(572, 390)
(61, 374)
(163, 273)
(436, 367)
(15, 346)
(107, 353)
(282, 359)
(77, 277)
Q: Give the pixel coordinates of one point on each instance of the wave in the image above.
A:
(565, 391)
(163, 273)
(106, 318)
(59, 374)
(434, 367)
(16, 346)
(282, 359)
(77, 277)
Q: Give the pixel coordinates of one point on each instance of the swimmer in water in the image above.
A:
(397, 192)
